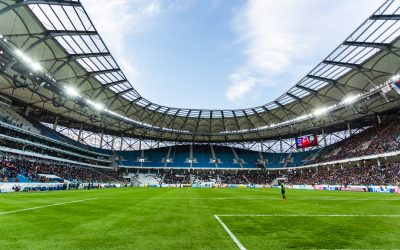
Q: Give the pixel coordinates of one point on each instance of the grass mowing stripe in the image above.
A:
(136, 218)
(236, 240)
(51, 205)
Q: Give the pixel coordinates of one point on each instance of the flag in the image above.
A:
(396, 86)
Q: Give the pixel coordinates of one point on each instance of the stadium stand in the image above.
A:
(15, 169)
(378, 139)
(384, 175)
(17, 133)
(352, 89)
(10, 116)
(202, 158)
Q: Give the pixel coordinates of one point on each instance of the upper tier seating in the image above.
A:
(9, 115)
(378, 139)
(14, 169)
(203, 157)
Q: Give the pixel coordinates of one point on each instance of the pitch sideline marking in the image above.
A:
(260, 198)
(233, 237)
(240, 245)
(308, 215)
(51, 205)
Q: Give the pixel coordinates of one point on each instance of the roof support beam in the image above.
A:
(184, 121)
(314, 92)
(54, 33)
(385, 17)
(271, 114)
(260, 117)
(99, 72)
(74, 57)
(382, 46)
(307, 89)
(342, 64)
(27, 2)
(285, 110)
(324, 79)
(114, 83)
(328, 80)
(124, 91)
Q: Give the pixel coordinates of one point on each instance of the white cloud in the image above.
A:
(290, 37)
(243, 85)
(115, 20)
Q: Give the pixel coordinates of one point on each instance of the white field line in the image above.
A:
(233, 237)
(308, 215)
(261, 198)
(240, 245)
(39, 207)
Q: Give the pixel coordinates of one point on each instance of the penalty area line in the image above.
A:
(233, 237)
(39, 207)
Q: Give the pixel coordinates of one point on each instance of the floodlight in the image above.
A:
(71, 91)
(350, 99)
(36, 66)
(96, 105)
(33, 65)
(395, 78)
(19, 53)
(321, 111)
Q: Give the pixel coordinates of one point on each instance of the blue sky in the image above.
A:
(222, 54)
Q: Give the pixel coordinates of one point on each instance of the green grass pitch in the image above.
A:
(138, 218)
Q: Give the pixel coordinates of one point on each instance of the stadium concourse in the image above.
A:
(71, 120)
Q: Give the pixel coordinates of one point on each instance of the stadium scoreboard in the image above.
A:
(306, 141)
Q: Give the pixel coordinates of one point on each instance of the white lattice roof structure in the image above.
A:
(61, 38)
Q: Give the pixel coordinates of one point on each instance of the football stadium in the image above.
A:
(87, 162)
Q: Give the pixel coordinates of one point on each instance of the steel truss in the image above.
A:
(61, 36)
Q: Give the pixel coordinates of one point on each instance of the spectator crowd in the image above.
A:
(377, 139)
(23, 170)
(360, 175)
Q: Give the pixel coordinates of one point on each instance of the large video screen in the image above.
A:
(306, 141)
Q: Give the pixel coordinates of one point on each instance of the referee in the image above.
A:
(283, 190)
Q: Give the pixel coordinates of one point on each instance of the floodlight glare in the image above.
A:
(71, 91)
(321, 111)
(19, 53)
(395, 78)
(33, 65)
(36, 66)
(97, 106)
(350, 99)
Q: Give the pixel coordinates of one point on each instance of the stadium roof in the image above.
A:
(61, 42)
